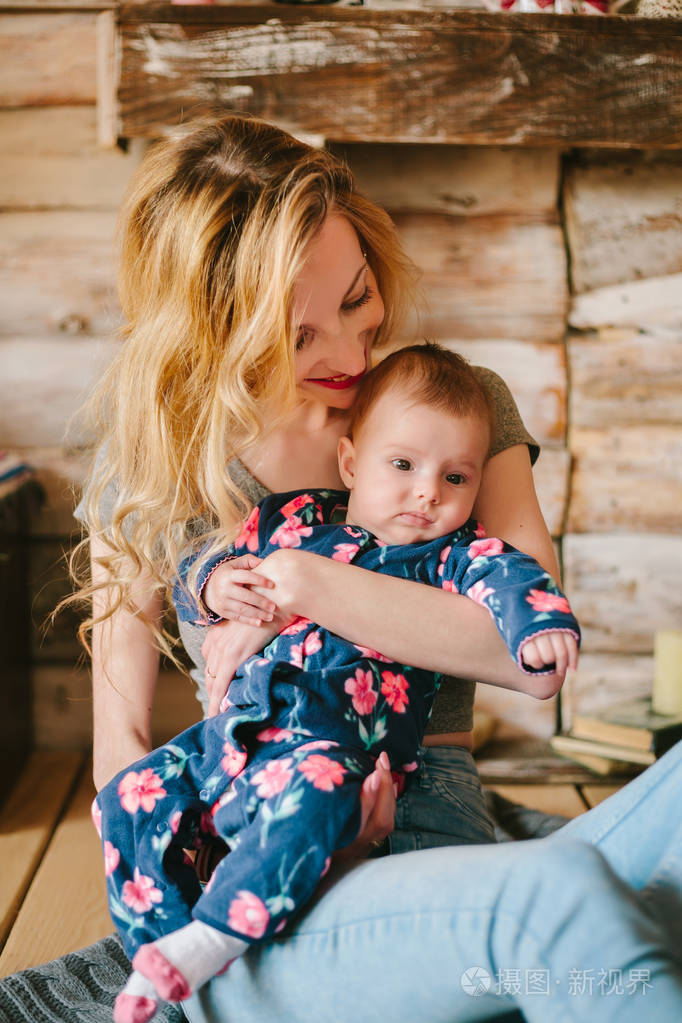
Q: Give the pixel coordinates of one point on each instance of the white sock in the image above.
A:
(197, 951)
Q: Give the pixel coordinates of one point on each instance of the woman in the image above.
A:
(255, 282)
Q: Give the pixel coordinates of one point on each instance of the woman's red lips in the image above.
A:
(337, 383)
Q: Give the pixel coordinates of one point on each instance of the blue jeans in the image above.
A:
(581, 925)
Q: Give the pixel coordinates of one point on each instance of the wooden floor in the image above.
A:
(52, 896)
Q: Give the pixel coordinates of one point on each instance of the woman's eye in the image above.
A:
(456, 478)
(304, 338)
(357, 302)
(402, 464)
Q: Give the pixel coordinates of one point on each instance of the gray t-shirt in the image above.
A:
(453, 709)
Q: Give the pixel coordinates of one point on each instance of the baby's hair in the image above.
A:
(427, 374)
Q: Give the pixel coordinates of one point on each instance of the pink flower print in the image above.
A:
(140, 893)
(297, 625)
(312, 643)
(362, 690)
(541, 600)
(289, 533)
(374, 655)
(409, 768)
(443, 557)
(274, 777)
(249, 535)
(140, 790)
(296, 655)
(226, 798)
(300, 501)
(248, 915)
(323, 772)
(345, 552)
(486, 548)
(479, 591)
(480, 530)
(318, 744)
(355, 533)
(272, 734)
(96, 815)
(449, 586)
(233, 761)
(394, 688)
(112, 858)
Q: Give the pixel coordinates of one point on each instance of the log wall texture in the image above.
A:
(561, 268)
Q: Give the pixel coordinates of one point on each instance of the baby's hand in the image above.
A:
(551, 648)
(228, 592)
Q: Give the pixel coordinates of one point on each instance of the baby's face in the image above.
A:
(413, 471)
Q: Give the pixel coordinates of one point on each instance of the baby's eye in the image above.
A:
(456, 478)
(403, 464)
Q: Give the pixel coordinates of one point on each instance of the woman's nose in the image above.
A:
(348, 352)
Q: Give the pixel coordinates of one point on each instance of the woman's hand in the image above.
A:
(377, 809)
(229, 592)
(229, 644)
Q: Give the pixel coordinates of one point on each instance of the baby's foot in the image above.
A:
(167, 979)
(137, 1003)
(180, 962)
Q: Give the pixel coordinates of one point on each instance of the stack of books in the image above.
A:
(620, 738)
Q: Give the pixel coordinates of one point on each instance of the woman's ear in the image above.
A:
(346, 456)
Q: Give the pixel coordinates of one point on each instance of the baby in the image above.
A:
(277, 774)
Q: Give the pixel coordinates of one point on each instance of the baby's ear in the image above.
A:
(346, 456)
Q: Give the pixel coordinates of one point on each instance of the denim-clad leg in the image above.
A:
(551, 923)
(639, 831)
(409, 937)
(635, 827)
(443, 804)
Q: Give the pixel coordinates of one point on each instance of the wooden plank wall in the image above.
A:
(561, 270)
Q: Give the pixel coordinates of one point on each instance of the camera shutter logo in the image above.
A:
(476, 981)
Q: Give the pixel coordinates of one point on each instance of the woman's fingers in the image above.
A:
(244, 578)
(377, 811)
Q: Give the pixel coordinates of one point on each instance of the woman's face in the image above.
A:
(337, 310)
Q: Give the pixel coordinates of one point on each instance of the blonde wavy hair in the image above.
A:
(213, 235)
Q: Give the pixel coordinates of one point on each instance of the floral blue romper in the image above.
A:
(277, 774)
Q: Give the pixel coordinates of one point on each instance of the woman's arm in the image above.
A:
(416, 624)
(507, 505)
(125, 665)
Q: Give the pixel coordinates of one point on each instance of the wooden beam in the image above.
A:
(596, 794)
(47, 59)
(405, 75)
(560, 799)
(27, 823)
(66, 907)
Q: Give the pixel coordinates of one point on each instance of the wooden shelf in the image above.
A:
(402, 74)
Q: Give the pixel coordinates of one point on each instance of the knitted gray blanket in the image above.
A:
(78, 988)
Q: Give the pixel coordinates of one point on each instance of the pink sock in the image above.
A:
(175, 965)
(169, 982)
(133, 1008)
